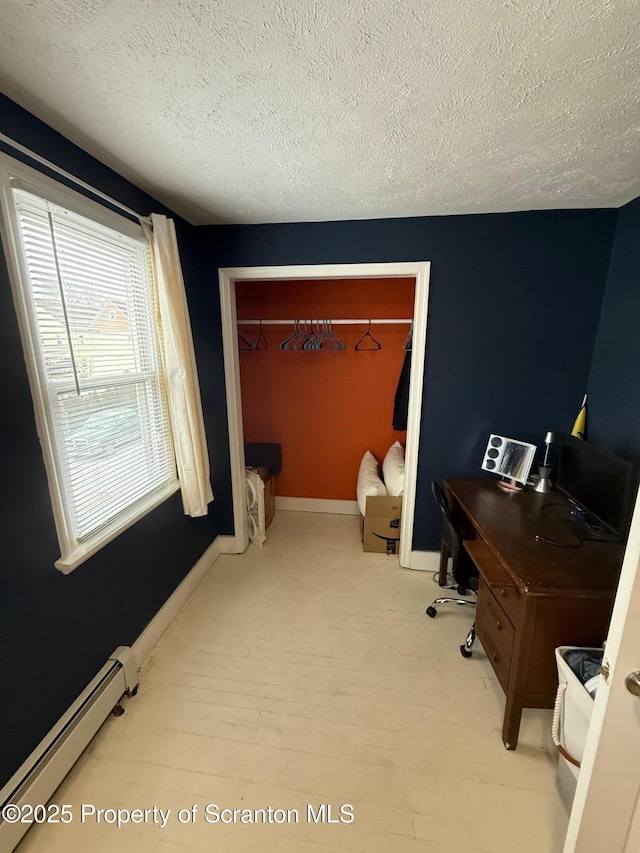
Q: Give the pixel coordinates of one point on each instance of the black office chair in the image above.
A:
(465, 573)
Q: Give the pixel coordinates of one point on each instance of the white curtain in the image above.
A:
(176, 345)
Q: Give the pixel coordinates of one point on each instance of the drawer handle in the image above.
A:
(503, 592)
(494, 657)
(498, 625)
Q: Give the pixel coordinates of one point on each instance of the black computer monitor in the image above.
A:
(600, 483)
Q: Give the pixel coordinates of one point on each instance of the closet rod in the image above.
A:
(320, 320)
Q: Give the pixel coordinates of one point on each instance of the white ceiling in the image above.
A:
(298, 110)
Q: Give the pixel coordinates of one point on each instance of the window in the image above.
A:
(84, 294)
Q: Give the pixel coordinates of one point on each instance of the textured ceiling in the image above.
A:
(294, 110)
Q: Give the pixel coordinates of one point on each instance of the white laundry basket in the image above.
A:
(571, 718)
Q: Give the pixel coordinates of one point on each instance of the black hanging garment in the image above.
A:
(401, 403)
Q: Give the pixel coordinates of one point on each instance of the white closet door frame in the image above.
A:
(418, 270)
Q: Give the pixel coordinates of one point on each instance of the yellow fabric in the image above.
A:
(580, 425)
(183, 388)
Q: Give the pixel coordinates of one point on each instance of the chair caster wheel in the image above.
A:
(462, 590)
(431, 611)
(464, 651)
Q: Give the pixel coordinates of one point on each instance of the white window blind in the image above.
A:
(92, 324)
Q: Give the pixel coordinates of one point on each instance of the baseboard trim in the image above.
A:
(425, 561)
(318, 505)
(145, 643)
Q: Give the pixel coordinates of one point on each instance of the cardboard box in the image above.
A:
(381, 525)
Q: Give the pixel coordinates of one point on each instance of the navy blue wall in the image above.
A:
(515, 301)
(514, 310)
(614, 389)
(57, 631)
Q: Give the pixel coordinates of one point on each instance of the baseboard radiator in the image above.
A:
(36, 780)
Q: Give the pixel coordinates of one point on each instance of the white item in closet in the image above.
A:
(393, 469)
(255, 507)
(369, 482)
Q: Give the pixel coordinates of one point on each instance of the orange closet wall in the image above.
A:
(325, 408)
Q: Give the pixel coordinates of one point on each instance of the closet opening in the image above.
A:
(313, 358)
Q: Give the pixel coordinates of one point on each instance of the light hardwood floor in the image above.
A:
(307, 673)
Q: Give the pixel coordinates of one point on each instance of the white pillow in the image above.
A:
(369, 482)
(393, 469)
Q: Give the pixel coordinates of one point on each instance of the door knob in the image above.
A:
(632, 682)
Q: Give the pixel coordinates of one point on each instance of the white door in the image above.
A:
(606, 809)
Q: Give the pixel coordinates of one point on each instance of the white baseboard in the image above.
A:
(425, 561)
(164, 617)
(318, 505)
(42, 772)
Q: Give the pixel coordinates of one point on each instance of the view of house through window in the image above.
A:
(88, 298)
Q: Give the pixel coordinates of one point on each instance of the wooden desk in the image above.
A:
(532, 596)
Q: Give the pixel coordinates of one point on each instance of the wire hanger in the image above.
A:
(286, 343)
(376, 344)
(312, 337)
(261, 342)
(244, 344)
(339, 343)
(301, 343)
(326, 339)
(322, 336)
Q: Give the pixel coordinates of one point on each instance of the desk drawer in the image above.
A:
(507, 597)
(496, 620)
(496, 578)
(500, 661)
(496, 633)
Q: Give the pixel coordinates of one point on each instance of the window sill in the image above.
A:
(84, 550)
